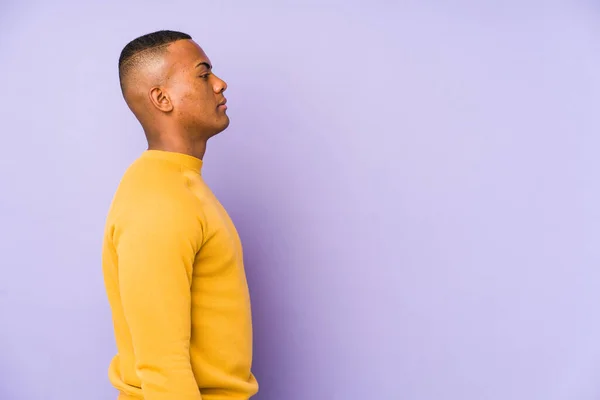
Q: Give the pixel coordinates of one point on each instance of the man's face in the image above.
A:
(195, 92)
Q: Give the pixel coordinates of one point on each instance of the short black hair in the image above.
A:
(158, 41)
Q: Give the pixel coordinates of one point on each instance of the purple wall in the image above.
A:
(416, 187)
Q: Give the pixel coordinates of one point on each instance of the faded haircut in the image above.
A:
(145, 47)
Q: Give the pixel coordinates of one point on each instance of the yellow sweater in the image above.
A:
(175, 280)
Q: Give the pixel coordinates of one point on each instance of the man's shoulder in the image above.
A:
(152, 187)
(154, 178)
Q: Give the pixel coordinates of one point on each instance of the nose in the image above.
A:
(220, 85)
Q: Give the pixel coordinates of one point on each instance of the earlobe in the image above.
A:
(160, 99)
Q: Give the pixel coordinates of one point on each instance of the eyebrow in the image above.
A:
(204, 64)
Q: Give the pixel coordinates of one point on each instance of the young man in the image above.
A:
(172, 259)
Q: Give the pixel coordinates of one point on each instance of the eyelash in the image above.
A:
(205, 76)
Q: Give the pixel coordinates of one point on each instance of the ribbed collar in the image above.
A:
(185, 160)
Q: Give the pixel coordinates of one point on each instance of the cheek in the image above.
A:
(180, 90)
(181, 95)
(194, 96)
(192, 99)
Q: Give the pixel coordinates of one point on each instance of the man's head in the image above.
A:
(167, 82)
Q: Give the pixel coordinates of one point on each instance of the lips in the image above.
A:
(222, 103)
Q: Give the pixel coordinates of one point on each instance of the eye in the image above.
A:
(205, 76)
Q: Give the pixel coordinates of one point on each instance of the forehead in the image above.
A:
(186, 53)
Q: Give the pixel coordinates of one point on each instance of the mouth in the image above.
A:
(223, 104)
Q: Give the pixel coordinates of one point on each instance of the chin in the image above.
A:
(224, 124)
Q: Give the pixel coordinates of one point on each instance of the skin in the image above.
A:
(177, 98)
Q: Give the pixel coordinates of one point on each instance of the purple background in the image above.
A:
(416, 186)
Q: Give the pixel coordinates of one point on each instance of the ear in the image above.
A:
(160, 99)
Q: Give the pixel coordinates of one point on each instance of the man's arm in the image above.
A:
(156, 245)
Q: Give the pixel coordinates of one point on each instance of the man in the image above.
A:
(172, 259)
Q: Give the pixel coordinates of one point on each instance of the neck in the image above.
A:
(195, 148)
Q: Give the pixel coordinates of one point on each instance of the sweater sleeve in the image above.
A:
(156, 245)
